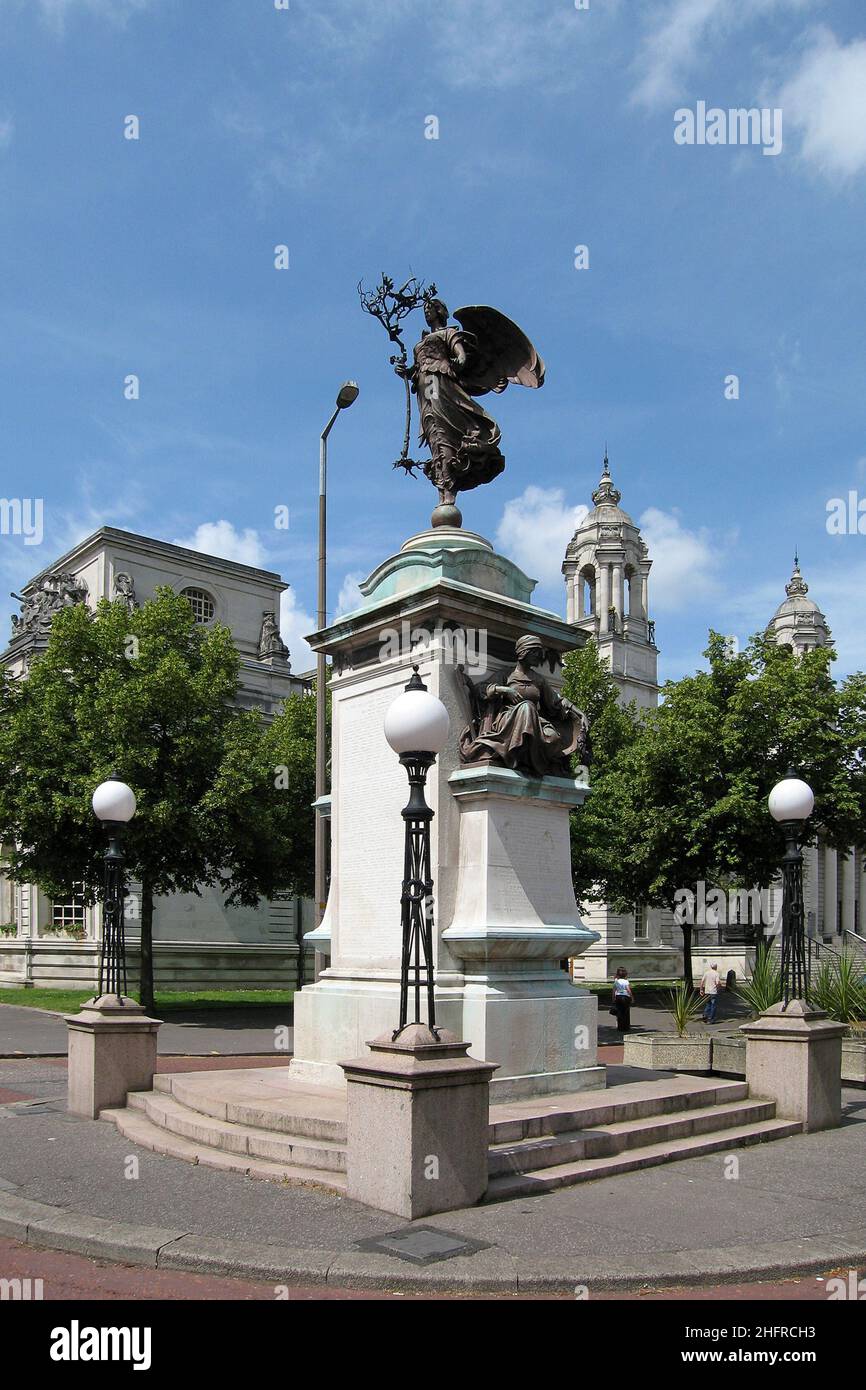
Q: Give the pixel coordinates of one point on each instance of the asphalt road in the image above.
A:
(196, 1033)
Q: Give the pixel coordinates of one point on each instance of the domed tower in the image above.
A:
(798, 622)
(606, 570)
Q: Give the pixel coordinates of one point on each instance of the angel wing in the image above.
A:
(500, 352)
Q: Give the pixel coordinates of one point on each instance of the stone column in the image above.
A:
(644, 595)
(618, 594)
(831, 908)
(603, 599)
(810, 888)
(112, 1051)
(794, 1057)
(580, 584)
(417, 1124)
(849, 891)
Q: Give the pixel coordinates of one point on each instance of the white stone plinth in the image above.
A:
(794, 1057)
(112, 1051)
(418, 1120)
(497, 952)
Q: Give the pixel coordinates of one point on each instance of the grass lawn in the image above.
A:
(70, 1000)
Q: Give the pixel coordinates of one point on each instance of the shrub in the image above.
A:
(684, 1007)
(764, 989)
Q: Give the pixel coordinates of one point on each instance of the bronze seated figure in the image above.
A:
(524, 725)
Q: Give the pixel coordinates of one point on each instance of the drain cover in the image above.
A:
(422, 1245)
(34, 1107)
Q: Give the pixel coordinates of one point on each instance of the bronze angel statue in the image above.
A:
(451, 366)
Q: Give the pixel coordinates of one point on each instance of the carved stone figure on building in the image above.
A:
(271, 644)
(124, 588)
(524, 724)
(38, 609)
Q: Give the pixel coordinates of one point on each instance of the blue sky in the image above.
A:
(305, 126)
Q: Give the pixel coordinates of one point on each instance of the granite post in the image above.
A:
(794, 1057)
(418, 1117)
(112, 1050)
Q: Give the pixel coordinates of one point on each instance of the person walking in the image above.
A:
(622, 1000)
(710, 986)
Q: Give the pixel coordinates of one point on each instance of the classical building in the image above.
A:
(607, 568)
(834, 885)
(199, 942)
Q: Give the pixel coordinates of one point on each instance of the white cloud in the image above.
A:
(825, 101)
(535, 530)
(350, 596)
(295, 625)
(684, 35)
(685, 563)
(7, 130)
(220, 538)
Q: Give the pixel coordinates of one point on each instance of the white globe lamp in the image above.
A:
(114, 801)
(791, 799)
(417, 722)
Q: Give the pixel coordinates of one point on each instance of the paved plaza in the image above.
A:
(66, 1183)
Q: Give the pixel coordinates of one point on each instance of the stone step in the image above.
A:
(135, 1126)
(570, 1146)
(638, 1100)
(506, 1185)
(297, 1151)
(262, 1099)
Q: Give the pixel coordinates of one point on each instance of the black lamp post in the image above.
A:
(417, 727)
(791, 803)
(113, 804)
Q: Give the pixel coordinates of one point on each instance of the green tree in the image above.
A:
(684, 799)
(588, 683)
(150, 695)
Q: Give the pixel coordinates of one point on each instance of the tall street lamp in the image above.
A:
(791, 803)
(346, 396)
(417, 728)
(114, 804)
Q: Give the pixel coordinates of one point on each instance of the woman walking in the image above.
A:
(622, 1000)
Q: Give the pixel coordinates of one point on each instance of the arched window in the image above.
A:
(201, 603)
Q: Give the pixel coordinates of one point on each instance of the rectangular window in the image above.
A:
(640, 925)
(69, 915)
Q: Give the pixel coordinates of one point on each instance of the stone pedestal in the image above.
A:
(794, 1057)
(418, 1116)
(515, 918)
(445, 599)
(112, 1050)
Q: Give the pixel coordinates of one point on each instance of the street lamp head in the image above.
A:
(347, 394)
(113, 800)
(417, 722)
(791, 799)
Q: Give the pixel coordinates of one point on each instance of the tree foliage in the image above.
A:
(679, 793)
(223, 798)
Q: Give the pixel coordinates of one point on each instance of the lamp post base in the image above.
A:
(794, 1057)
(112, 1051)
(418, 1116)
